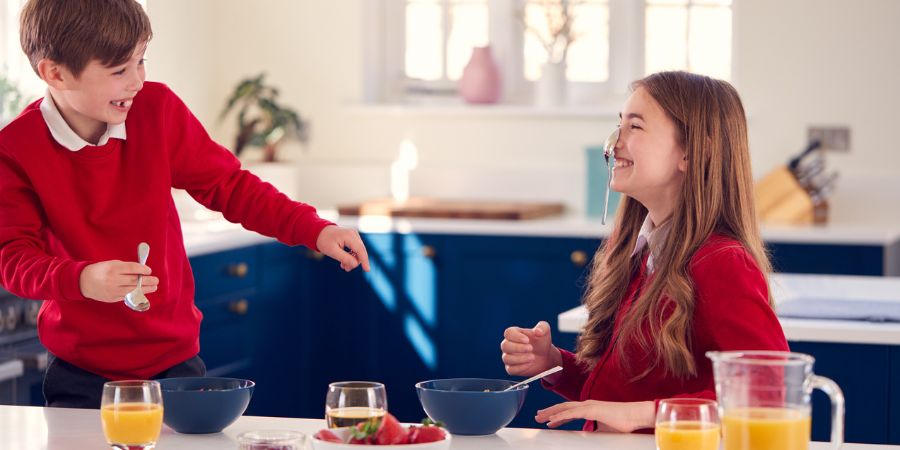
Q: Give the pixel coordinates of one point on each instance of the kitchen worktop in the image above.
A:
(787, 287)
(208, 232)
(36, 428)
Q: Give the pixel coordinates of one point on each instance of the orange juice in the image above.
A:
(132, 423)
(687, 435)
(766, 429)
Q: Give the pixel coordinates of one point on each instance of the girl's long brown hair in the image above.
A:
(716, 197)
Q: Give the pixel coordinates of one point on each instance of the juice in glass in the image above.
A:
(766, 429)
(132, 423)
(687, 435)
(353, 416)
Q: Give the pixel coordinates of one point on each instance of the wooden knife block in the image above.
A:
(781, 200)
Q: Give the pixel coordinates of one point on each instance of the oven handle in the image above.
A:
(11, 369)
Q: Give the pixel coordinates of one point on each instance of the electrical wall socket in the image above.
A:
(833, 138)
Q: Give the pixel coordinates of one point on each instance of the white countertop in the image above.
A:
(212, 233)
(573, 225)
(786, 287)
(35, 428)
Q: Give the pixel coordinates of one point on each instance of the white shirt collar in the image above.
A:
(652, 236)
(63, 133)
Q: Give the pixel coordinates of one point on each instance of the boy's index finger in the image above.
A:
(358, 250)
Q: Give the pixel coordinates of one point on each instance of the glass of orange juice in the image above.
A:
(131, 413)
(687, 424)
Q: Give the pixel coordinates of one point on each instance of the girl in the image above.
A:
(683, 273)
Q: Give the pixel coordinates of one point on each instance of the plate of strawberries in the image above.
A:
(387, 433)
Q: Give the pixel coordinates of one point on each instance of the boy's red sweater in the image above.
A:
(732, 312)
(62, 210)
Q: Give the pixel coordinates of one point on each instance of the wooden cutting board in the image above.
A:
(458, 209)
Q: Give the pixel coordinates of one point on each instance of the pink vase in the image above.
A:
(481, 81)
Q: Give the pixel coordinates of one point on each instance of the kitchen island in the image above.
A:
(37, 428)
(788, 288)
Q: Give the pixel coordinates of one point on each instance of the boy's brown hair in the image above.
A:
(74, 32)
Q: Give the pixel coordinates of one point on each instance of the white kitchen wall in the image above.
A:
(184, 54)
(799, 62)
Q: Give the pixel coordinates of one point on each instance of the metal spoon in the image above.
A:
(136, 299)
(609, 150)
(536, 377)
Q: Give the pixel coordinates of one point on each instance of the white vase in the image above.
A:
(283, 175)
(550, 89)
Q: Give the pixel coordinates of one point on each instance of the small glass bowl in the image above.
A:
(272, 440)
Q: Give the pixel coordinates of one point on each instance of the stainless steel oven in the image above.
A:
(23, 359)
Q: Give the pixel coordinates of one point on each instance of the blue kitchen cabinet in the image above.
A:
(833, 259)
(406, 286)
(398, 302)
(436, 307)
(281, 335)
(226, 287)
(341, 324)
(863, 373)
(894, 388)
(492, 283)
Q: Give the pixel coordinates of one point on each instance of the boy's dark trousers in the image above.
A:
(67, 386)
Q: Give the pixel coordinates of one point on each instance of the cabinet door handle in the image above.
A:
(429, 251)
(239, 307)
(579, 258)
(238, 270)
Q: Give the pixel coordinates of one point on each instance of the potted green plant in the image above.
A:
(11, 100)
(262, 121)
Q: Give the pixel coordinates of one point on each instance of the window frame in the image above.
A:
(384, 81)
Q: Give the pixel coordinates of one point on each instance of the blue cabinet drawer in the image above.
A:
(223, 272)
(226, 333)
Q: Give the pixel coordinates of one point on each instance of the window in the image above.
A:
(418, 48)
(693, 35)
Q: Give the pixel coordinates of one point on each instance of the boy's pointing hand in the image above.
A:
(344, 245)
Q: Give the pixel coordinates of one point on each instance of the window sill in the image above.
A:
(500, 111)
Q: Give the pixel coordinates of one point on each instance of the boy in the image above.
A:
(81, 186)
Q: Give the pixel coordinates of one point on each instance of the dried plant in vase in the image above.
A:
(262, 121)
(558, 35)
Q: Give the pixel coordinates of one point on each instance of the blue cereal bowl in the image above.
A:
(471, 406)
(203, 404)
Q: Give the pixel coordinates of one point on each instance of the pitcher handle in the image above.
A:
(834, 392)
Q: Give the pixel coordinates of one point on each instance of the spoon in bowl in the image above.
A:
(136, 299)
(536, 377)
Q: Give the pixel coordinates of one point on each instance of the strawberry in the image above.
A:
(390, 431)
(426, 433)
(328, 436)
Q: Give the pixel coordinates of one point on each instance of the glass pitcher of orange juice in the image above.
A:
(764, 400)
